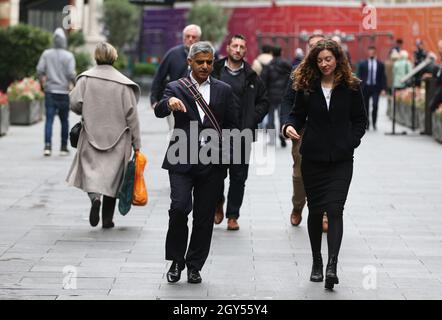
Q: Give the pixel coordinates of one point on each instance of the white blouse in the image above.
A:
(327, 94)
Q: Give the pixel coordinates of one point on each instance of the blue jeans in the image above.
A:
(57, 103)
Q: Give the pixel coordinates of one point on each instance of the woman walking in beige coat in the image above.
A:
(107, 102)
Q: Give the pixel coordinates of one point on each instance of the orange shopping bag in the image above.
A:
(139, 197)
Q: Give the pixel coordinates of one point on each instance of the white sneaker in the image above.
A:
(64, 151)
(47, 151)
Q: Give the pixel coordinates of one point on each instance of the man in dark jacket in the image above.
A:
(372, 73)
(254, 104)
(194, 183)
(174, 66)
(275, 77)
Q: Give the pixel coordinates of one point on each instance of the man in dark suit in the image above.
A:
(187, 171)
(372, 74)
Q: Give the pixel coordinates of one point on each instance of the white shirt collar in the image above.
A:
(196, 82)
(236, 70)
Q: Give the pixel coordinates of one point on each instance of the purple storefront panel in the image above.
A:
(162, 30)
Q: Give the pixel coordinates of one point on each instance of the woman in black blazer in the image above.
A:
(329, 108)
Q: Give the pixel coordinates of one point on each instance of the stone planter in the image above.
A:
(403, 116)
(4, 119)
(437, 127)
(26, 112)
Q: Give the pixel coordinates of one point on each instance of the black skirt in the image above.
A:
(326, 185)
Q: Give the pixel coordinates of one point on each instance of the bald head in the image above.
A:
(191, 34)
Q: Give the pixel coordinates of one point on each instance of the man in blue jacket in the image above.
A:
(174, 65)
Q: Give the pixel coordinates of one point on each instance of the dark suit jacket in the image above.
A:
(329, 135)
(223, 106)
(381, 81)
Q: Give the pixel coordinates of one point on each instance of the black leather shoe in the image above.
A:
(317, 268)
(174, 273)
(94, 214)
(193, 276)
(331, 278)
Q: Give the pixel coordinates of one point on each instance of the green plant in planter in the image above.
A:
(21, 47)
(141, 69)
(122, 61)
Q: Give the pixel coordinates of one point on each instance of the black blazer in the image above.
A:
(381, 81)
(329, 135)
(223, 106)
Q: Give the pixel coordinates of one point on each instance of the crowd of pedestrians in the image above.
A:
(323, 107)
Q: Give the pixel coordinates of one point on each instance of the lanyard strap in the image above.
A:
(199, 99)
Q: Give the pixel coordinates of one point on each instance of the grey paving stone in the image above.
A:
(387, 226)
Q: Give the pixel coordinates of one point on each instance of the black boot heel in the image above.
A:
(331, 277)
(330, 282)
(317, 268)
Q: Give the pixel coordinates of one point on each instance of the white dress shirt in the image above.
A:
(372, 66)
(204, 89)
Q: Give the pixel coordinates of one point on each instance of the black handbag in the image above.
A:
(74, 134)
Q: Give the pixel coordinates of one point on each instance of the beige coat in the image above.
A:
(107, 101)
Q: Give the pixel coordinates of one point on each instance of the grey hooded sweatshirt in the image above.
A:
(58, 65)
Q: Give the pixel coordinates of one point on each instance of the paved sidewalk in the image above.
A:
(392, 245)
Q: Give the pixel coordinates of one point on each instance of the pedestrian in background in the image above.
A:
(275, 77)
(298, 195)
(250, 92)
(107, 102)
(330, 96)
(299, 56)
(56, 71)
(372, 73)
(174, 66)
(401, 67)
(436, 99)
(419, 55)
(263, 58)
(194, 186)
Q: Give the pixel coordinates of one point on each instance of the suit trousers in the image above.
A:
(205, 185)
(238, 174)
(371, 92)
(298, 197)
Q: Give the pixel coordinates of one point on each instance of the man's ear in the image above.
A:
(189, 61)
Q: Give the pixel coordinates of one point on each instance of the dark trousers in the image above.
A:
(57, 104)
(238, 174)
(205, 185)
(371, 92)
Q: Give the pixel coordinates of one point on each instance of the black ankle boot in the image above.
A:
(108, 212)
(317, 268)
(331, 278)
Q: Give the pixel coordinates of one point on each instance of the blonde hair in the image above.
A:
(105, 53)
(403, 54)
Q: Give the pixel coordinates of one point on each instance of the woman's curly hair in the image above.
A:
(308, 72)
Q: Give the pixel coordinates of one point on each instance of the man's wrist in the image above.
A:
(168, 105)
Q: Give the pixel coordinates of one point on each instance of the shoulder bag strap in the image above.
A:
(189, 86)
